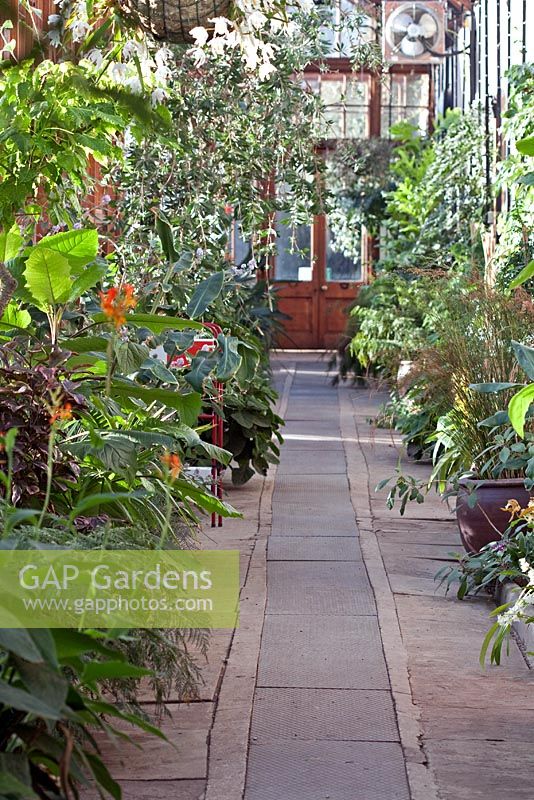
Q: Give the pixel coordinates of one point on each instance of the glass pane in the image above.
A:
(341, 266)
(406, 98)
(334, 120)
(292, 266)
(356, 121)
(417, 90)
(356, 92)
(331, 91)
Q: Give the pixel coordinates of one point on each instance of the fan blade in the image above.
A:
(401, 23)
(412, 47)
(428, 25)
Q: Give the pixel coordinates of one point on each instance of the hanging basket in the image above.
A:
(171, 20)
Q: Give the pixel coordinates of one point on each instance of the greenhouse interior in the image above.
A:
(266, 399)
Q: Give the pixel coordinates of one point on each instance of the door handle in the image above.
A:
(324, 287)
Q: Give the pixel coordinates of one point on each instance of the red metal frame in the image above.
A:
(217, 432)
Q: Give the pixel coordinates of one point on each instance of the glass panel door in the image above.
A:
(293, 260)
(342, 263)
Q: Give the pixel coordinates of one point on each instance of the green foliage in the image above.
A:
(50, 698)
(439, 199)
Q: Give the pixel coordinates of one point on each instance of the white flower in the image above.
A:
(523, 563)
(79, 30)
(218, 45)
(118, 71)
(134, 84)
(158, 96)
(220, 25)
(131, 48)
(162, 56)
(266, 69)
(54, 37)
(96, 57)
(54, 20)
(162, 74)
(257, 20)
(199, 56)
(200, 35)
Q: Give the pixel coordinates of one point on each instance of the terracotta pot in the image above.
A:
(486, 522)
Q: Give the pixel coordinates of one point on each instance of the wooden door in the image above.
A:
(315, 286)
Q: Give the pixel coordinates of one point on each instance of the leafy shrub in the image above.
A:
(28, 395)
(50, 705)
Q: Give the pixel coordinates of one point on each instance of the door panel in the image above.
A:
(317, 308)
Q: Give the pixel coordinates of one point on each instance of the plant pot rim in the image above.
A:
(493, 481)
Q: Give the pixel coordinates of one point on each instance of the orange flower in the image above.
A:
(63, 412)
(173, 463)
(116, 302)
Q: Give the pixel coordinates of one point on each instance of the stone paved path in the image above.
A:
(367, 678)
(323, 723)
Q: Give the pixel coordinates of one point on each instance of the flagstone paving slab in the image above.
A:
(317, 651)
(337, 714)
(313, 548)
(325, 769)
(319, 587)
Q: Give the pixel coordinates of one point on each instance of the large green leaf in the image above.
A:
(105, 670)
(48, 684)
(166, 235)
(525, 358)
(201, 366)
(230, 359)
(15, 778)
(86, 344)
(79, 247)
(519, 406)
(204, 499)
(48, 278)
(86, 280)
(490, 388)
(19, 642)
(116, 452)
(11, 787)
(103, 499)
(130, 356)
(159, 371)
(522, 277)
(154, 322)
(205, 293)
(71, 643)
(10, 244)
(188, 405)
(14, 317)
(102, 775)
(526, 146)
(25, 701)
